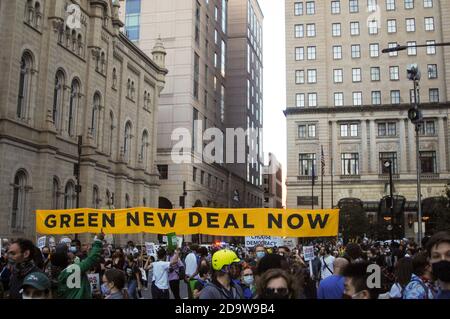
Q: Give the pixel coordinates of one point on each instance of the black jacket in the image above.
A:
(18, 275)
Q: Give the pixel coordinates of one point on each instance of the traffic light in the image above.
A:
(415, 115)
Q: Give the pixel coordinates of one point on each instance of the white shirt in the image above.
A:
(191, 264)
(396, 291)
(161, 274)
(325, 265)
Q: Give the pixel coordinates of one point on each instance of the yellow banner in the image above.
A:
(207, 221)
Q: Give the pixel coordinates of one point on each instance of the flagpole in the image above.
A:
(312, 185)
(322, 161)
(332, 184)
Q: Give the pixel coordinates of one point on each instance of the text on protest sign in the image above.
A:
(208, 221)
(266, 241)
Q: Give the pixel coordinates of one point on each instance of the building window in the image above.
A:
(354, 6)
(409, 4)
(19, 200)
(26, 65)
(132, 19)
(58, 100)
(387, 129)
(194, 174)
(357, 98)
(202, 177)
(298, 8)
(299, 77)
(337, 52)
(394, 73)
(375, 74)
(311, 53)
(356, 75)
(374, 50)
(392, 45)
(223, 58)
(356, 51)
(336, 29)
(299, 31)
(338, 75)
(307, 164)
(335, 7)
(349, 130)
(428, 128)
(388, 156)
(410, 25)
(339, 99)
(434, 95)
(428, 3)
(94, 115)
(390, 5)
(428, 162)
(376, 97)
(354, 28)
(412, 50)
(312, 99)
(95, 198)
(163, 171)
(392, 25)
(144, 148)
(395, 97)
(300, 100)
(311, 30)
(310, 7)
(307, 131)
(373, 27)
(312, 76)
(432, 71)
(299, 54)
(127, 141)
(69, 195)
(372, 5)
(350, 164)
(429, 24)
(73, 107)
(431, 48)
(55, 194)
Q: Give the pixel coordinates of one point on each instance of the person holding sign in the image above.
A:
(73, 282)
(160, 281)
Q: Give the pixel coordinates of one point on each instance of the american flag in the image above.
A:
(322, 161)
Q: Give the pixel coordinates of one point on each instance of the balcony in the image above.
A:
(429, 175)
(349, 177)
(386, 176)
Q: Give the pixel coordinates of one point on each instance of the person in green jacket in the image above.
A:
(73, 282)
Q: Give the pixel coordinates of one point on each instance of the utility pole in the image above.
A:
(76, 170)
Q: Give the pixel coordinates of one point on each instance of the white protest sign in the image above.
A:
(109, 238)
(150, 248)
(308, 253)
(267, 241)
(143, 274)
(52, 242)
(94, 281)
(290, 242)
(179, 241)
(41, 242)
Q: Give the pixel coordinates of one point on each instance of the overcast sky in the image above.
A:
(274, 62)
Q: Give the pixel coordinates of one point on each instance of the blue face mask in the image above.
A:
(248, 279)
(105, 289)
(260, 254)
(73, 249)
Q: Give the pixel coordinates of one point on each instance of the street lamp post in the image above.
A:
(388, 165)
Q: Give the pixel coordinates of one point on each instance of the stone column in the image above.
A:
(442, 149)
(373, 169)
(364, 152)
(402, 160)
(334, 151)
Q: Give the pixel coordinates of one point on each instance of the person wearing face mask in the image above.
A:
(420, 285)
(113, 284)
(21, 258)
(222, 286)
(36, 286)
(260, 252)
(248, 283)
(355, 282)
(438, 249)
(276, 284)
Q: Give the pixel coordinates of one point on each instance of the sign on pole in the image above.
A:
(94, 281)
(308, 253)
(151, 249)
(41, 242)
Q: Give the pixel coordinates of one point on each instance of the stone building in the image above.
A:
(68, 71)
(345, 95)
(273, 183)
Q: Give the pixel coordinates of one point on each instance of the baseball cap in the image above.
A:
(37, 280)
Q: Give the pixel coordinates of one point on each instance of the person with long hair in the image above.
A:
(276, 284)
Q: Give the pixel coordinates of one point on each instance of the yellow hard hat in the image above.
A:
(224, 257)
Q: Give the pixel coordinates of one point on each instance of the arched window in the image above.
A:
(144, 148)
(19, 199)
(74, 41)
(58, 99)
(73, 107)
(103, 62)
(114, 78)
(129, 88)
(55, 194)
(37, 15)
(127, 141)
(26, 65)
(111, 132)
(108, 198)
(69, 196)
(132, 90)
(95, 111)
(67, 37)
(149, 100)
(127, 201)
(144, 202)
(29, 12)
(95, 197)
(145, 100)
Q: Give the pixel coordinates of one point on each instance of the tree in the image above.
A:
(353, 222)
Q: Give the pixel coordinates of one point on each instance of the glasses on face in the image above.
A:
(277, 292)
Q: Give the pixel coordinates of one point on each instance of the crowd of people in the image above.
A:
(336, 271)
